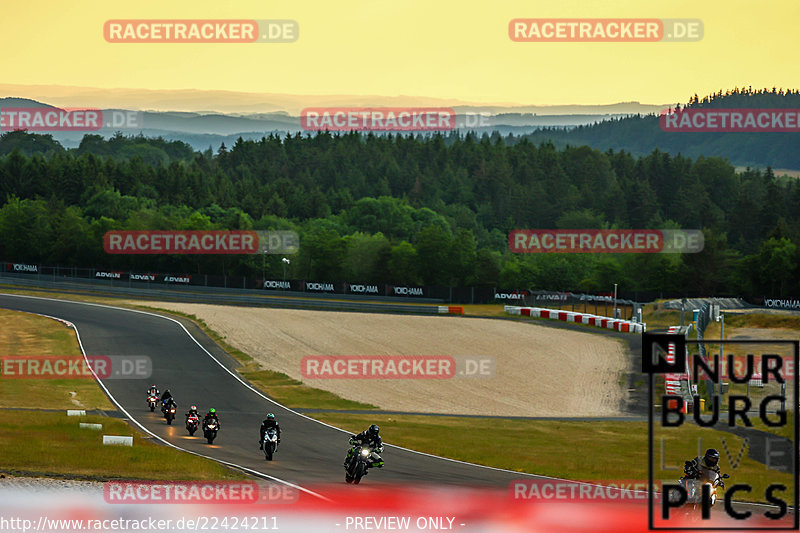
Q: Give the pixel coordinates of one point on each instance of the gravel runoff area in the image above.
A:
(538, 371)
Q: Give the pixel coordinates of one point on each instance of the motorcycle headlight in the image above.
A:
(365, 452)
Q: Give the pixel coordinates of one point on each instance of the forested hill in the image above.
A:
(641, 134)
(405, 209)
(119, 147)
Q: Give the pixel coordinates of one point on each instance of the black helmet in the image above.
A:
(374, 429)
(711, 457)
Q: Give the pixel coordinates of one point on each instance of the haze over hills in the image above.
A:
(629, 126)
(229, 102)
(206, 119)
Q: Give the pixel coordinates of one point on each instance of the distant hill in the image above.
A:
(202, 130)
(628, 126)
(234, 102)
(642, 134)
(21, 102)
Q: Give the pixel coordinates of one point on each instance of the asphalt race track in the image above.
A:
(310, 452)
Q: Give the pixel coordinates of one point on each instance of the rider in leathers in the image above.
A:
(694, 469)
(211, 416)
(269, 422)
(193, 412)
(370, 438)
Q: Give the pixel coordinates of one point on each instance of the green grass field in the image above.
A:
(45, 443)
(27, 334)
(586, 451)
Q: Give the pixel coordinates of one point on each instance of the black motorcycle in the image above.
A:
(210, 429)
(359, 463)
(169, 408)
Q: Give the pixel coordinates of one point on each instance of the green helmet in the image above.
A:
(212, 411)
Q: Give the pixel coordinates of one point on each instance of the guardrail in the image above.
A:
(220, 296)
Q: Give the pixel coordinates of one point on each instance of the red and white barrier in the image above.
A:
(672, 383)
(625, 326)
(451, 310)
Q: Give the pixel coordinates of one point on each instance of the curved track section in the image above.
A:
(310, 453)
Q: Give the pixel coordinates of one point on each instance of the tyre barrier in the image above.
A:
(624, 326)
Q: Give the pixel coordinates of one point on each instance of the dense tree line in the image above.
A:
(641, 134)
(415, 210)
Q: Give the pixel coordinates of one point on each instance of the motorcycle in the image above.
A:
(694, 491)
(270, 443)
(169, 409)
(192, 421)
(358, 465)
(152, 401)
(210, 430)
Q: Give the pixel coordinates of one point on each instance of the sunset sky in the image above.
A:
(429, 48)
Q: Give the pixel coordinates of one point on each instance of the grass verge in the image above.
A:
(786, 431)
(589, 451)
(47, 443)
(52, 443)
(27, 334)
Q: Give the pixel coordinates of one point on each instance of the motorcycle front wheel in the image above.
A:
(359, 473)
